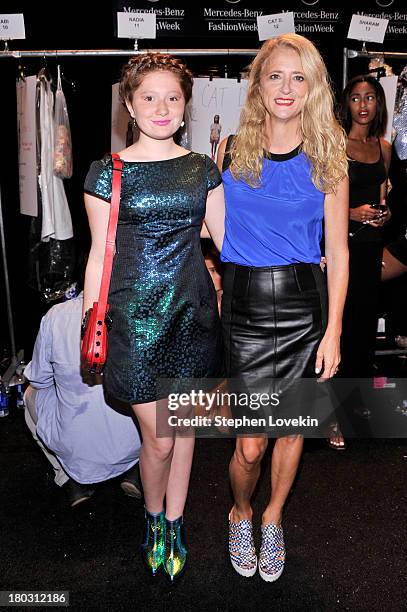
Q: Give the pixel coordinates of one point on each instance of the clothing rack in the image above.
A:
(352, 53)
(8, 53)
(55, 53)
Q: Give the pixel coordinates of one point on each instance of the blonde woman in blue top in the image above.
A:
(285, 172)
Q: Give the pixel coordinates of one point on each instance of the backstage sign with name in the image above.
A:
(171, 18)
(393, 10)
(233, 18)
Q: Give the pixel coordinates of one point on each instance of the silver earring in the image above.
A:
(134, 121)
(182, 123)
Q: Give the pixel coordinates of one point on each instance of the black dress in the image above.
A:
(162, 299)
(365, 256)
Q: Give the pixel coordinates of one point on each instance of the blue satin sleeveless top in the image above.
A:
(278, 223)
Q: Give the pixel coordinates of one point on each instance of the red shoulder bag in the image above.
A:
(96, 322)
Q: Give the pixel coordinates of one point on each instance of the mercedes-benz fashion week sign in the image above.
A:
(318, 19)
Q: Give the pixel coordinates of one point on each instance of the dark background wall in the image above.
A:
(89, 25)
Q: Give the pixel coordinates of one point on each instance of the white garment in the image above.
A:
(56, 216)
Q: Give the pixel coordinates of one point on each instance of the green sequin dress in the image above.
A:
(162, 299)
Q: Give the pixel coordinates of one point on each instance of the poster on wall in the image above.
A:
(27, 154)
(214, 112)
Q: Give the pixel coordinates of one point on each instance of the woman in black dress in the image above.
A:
(162, 300)
(364, 116)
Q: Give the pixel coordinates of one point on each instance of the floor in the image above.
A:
(345, 531)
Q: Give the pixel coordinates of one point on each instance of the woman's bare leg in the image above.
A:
(165, 462)
(155, 457)
(284, 464)
(392, 267)
(244, 471)
(178, 481)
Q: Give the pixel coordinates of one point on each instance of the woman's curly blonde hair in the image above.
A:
(140, 65)
(323, 140)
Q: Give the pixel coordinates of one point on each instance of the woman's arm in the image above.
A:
(215, 215)
(384, 216)
(205, 232)
(221, 153)
(337, 261)
(98, 217)
(386, 152)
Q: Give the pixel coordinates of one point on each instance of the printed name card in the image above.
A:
(269, 26)
(368, 29)
(136, 25)
(12, 26)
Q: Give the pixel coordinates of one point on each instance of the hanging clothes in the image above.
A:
(400, 117)
(56, 216)
(62, 134)
(51, 261)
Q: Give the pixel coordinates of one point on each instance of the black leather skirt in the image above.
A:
(273, 319)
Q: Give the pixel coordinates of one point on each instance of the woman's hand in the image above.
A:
(364, 213)
(328, 356)
(382, 216)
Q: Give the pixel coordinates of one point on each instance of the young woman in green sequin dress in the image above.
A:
(162, 300)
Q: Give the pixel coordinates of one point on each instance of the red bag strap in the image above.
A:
(111, 233)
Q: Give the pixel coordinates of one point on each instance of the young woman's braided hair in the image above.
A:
(140, 65)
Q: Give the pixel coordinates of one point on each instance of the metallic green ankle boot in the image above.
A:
(152, 549)
(175, 555)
